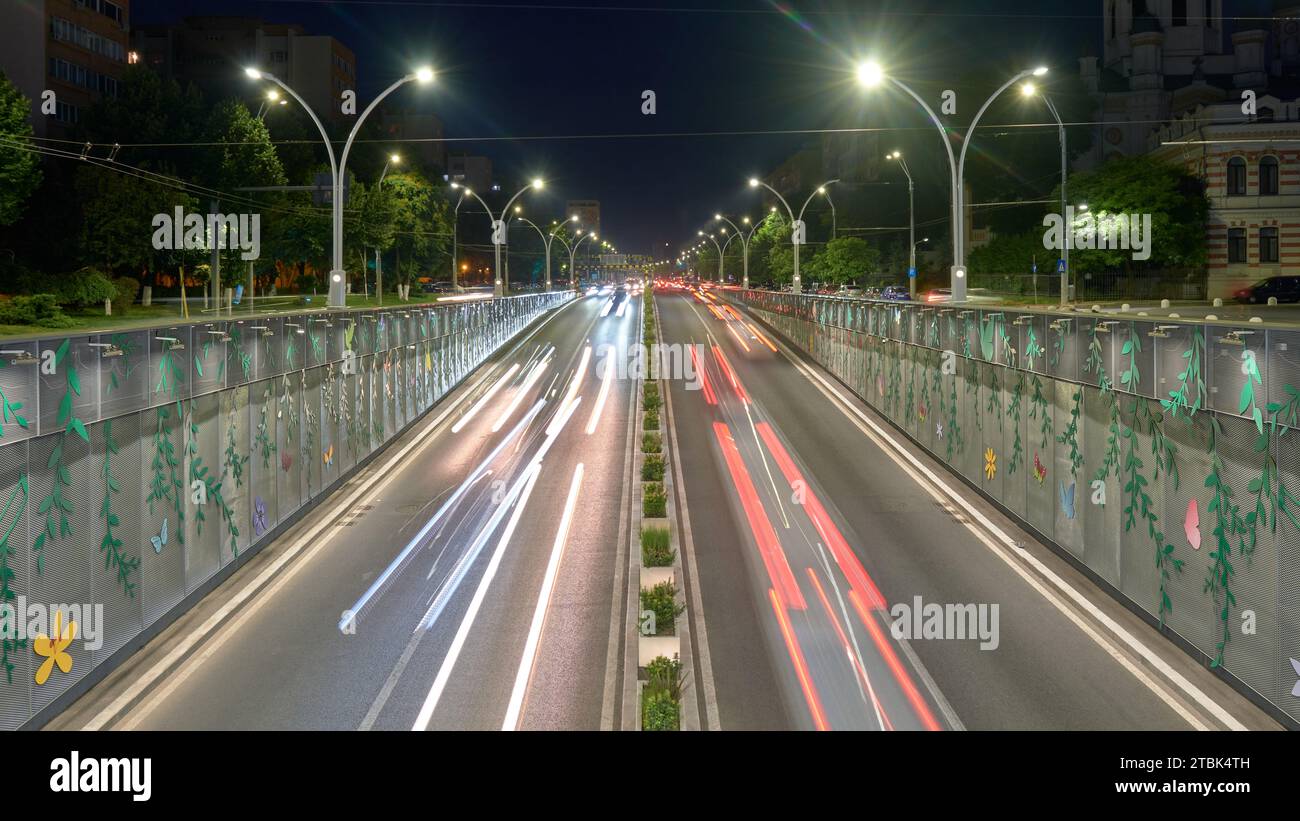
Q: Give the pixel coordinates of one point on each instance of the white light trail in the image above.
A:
(529, 381)
(487, 397)
(604, 312)
(601, 397)
(355, 610)
(519, 497)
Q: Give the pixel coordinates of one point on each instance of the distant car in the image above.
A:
(895, 293)
(849, 290)
(1284, 289)
(945, 295)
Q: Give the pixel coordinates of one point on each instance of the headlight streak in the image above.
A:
(519, 499)
(527, 662)
(742, 342)
(527, 480)
(355, 611)
(622, 307)
(578, 376)
(530, 380)
(600, 398)
(609, 305)
(487, 397)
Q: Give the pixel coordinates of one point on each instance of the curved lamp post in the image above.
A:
(499, 228)
(796, 233)
(1030, 90)
(338, 290)
(897, 157)
(714, 240)
(744, 243)
(573, 249)
(547, 240)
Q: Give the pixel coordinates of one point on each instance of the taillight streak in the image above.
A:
(800, 665)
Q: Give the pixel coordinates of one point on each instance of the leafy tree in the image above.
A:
(1172, 195)
(421, 224)
(117, 215)
(843, 260)
(20, 173)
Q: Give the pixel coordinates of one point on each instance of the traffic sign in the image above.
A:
(911, 273)
(1060, 266)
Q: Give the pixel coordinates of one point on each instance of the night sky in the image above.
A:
(544, 88)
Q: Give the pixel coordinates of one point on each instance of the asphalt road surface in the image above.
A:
(814, 531)
(472, 588)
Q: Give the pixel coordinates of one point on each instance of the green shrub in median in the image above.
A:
(651, 443)
(656, 547)
(662, 601)
(661, 696)
(659, 712)
(654, 504)
(650, 396)
(651, 420)
(652, 469)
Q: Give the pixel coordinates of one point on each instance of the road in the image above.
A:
(470, 586)
(814, 527)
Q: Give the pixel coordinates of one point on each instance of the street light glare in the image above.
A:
(1028, 89)
(1040, 71)
(539, 184)
(424, 74)
(395, 158)
(272, 95)
(753, 182)
(254, 73)
(870, 74)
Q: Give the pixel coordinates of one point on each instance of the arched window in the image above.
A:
(1268, 176)
(1236, 177)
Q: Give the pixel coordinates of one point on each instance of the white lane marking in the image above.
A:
(601, 397)
(529, 658)
(604, 312)
(519, 498)
(369, 489)
(487, 397)
(529, 381)
(937, 486)
(349, 620)
(622, 308)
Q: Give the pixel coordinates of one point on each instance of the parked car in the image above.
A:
(1284, 289)
(895, 293)
(849, 290)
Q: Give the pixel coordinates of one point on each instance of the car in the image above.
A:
(1281, 288)
(895, 293)
(849, 290)
(972, 295)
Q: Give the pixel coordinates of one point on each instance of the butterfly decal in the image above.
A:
(1067, 500)
(327, 456)
(160, 541)
(259, 516)
(1192, 525)
(286, 461)
(938, 430)
(1040, 470)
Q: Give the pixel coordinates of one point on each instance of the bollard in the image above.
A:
(108, 307)
(146, 296)
(1126, 307)
(1164, 303)
(1272, 300)
(230, 301)
(1218, 302)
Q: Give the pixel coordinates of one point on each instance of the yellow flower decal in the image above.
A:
(990, 464)
(55, 650)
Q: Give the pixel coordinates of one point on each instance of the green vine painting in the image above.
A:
(56, 503)
(9, 518)
(166, 483)
(1228, 525)
(263, 439)
(232, 468)
(1013, 411)
(111, 546)
(1040, 411)
(1189, 397)
(1070, 435)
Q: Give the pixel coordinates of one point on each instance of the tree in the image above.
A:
(1172, 195)
(843, 260)
(20, 173)
(117, 218)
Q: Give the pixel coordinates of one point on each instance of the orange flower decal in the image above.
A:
(55, 650)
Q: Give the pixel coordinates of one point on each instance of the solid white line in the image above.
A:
(487, 397)
(529, 658)
(369, 488)
(462, 633)
(895, 450)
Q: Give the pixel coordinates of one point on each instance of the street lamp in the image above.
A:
(714, 240)
(573, 250)
(744, 243)
(393, 159)
(870, 75)
(272, 96)
(820, 190)
(338, 290)
(796, 236)
(499, 228)
(965, 146)
(897, 157)
(547, 240)
(1030, 90)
